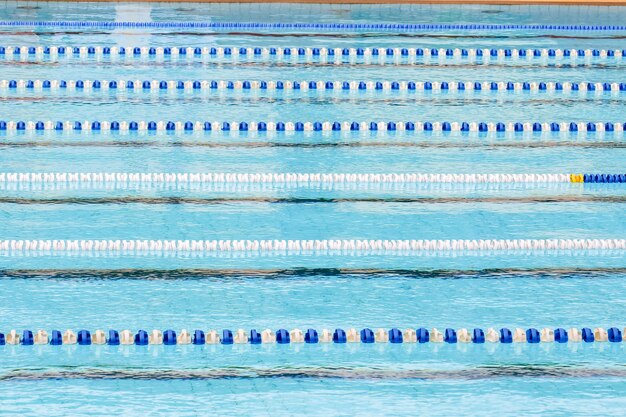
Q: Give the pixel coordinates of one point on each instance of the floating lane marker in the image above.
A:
(348, 246)
(125, 178)
(311, 126)
(339, 336)
(387, 55)
(317, 27)
(199, 86)
(260, 187)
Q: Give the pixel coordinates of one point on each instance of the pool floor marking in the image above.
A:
(315, 200)
(313, 273)
(296, 177)
(347, 370)
(403, 142)
(312, 336)
(297, 246)
(387, 55)
(196, 86)
(311, 126)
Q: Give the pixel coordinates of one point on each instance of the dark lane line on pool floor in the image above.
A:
(271, 274)
(189, 144)
(335, 372)
(312, 200)
(215, 63)
(331, 35)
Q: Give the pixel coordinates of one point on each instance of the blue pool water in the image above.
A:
(87, 289)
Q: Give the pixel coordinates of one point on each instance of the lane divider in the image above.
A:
(195, 86)
(312, 336)
(122, 178)
(392, 27)
(299, 178)
(311, 126)
(259, 187)
(387, 55)
(322, 246)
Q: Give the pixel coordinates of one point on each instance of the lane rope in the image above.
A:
(386, 55)
(387, 27)
(312, 336)
(323, 246)
(127, 178)
(239, 187)
(196, 86)
(573, 127)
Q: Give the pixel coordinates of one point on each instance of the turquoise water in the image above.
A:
(257, 290)
(265, 397)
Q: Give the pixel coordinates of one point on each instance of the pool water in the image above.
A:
(265, 289)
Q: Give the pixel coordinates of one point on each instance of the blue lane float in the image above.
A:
(169, 337)
(478, 336)
(84, 337)
(27, 338)
(227, 337)
(311, 336)
(114, 338)
(506, 336)
(367, 336)
(56, 338)
(560, 335)
(337, 336)
(141, 338)
(198, 338)
(282, 337)
(395, 336)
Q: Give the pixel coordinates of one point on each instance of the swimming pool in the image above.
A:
(337, 209)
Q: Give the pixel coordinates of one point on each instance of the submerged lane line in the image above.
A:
(320, 372)
(400, 143)
(314, 200)
(316, 273)
(211, 35)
